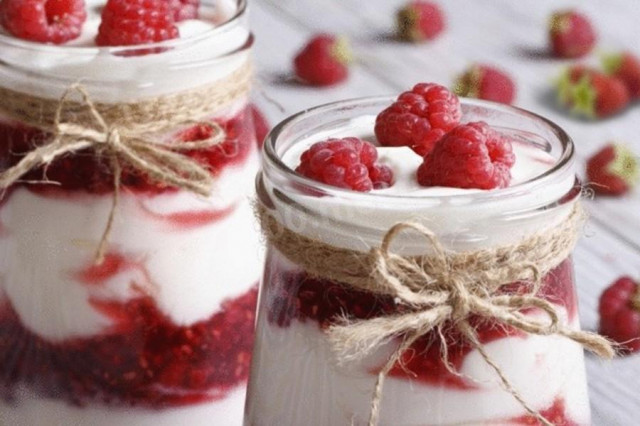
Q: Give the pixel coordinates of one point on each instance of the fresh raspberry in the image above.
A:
(486, 82)
(345, 163)
(134, 22)
(324, 61)
(260, 124)
(419, 21)
(184, 9)
(419, 118)
(613, 170)
(619, 311)
(590, 93)
(626, 67)
(570, 34)
(470, 156)
(46, 21)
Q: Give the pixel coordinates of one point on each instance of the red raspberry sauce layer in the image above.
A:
(144, 360)
(85, 172)
(297, 296)
(556, 414)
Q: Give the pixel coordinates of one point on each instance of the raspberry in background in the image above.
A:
(419, 118)
(135, 22)
(472, 155)
(345, 163)
(486, 82)
(570, 34)
(619, 311)
(626, 67)
(323, 61)
(184, 9)
(419, 21)
(45, 21)
(590, 93)
(613, 170)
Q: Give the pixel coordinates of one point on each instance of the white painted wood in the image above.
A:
(512, 35)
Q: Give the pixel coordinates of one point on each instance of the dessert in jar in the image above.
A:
(129, 253)
(397, 291)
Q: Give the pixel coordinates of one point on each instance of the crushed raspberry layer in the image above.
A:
(297, 296)
(83, 171)
(143, 360)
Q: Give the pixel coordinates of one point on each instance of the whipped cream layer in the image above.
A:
(209, 49)
(461, 220)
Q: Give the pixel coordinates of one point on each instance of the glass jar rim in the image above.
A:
(241, 8)
(274, 164)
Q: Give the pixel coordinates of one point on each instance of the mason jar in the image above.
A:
(349, 330)
(129, 256)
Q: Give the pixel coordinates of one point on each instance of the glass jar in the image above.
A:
(442, 378)
(157, 330)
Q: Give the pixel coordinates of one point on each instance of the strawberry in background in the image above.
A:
(626, 67)
(324, 60)
(486, 82)
(614, 170)
(571, 34)
(419, 21)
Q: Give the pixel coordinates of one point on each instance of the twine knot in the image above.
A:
(440, 289)
(162, 162)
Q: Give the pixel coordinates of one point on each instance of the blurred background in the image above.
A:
(512, 36)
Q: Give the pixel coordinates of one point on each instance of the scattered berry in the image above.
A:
(592, 94)
(419, 118)
(485, 82)
(324, 61)
(626, 67)
(620, 313)
(470, 156)
(184, 9)
(46, 21)
(134, 22)
(613, 170)
(419, 21)
(345, 163)
(570, 34)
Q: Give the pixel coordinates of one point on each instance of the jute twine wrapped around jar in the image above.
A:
(439, 289)
(127, 134)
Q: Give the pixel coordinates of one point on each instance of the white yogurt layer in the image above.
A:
(190, 272)
(460, 221)
(32, 410)
(295, 380)
(205, 53)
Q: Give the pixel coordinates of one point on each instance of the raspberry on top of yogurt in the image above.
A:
(345, 163)
(426, 120)
(52, 21)
(99, 22)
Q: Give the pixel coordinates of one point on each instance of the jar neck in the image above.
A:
(464, 221)
(129, 74)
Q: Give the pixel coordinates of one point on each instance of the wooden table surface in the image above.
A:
(508, 33)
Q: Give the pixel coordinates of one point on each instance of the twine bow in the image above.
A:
(438, 290)
(163, 163)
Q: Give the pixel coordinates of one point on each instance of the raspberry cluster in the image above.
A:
(427, 120)
(124, 22)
